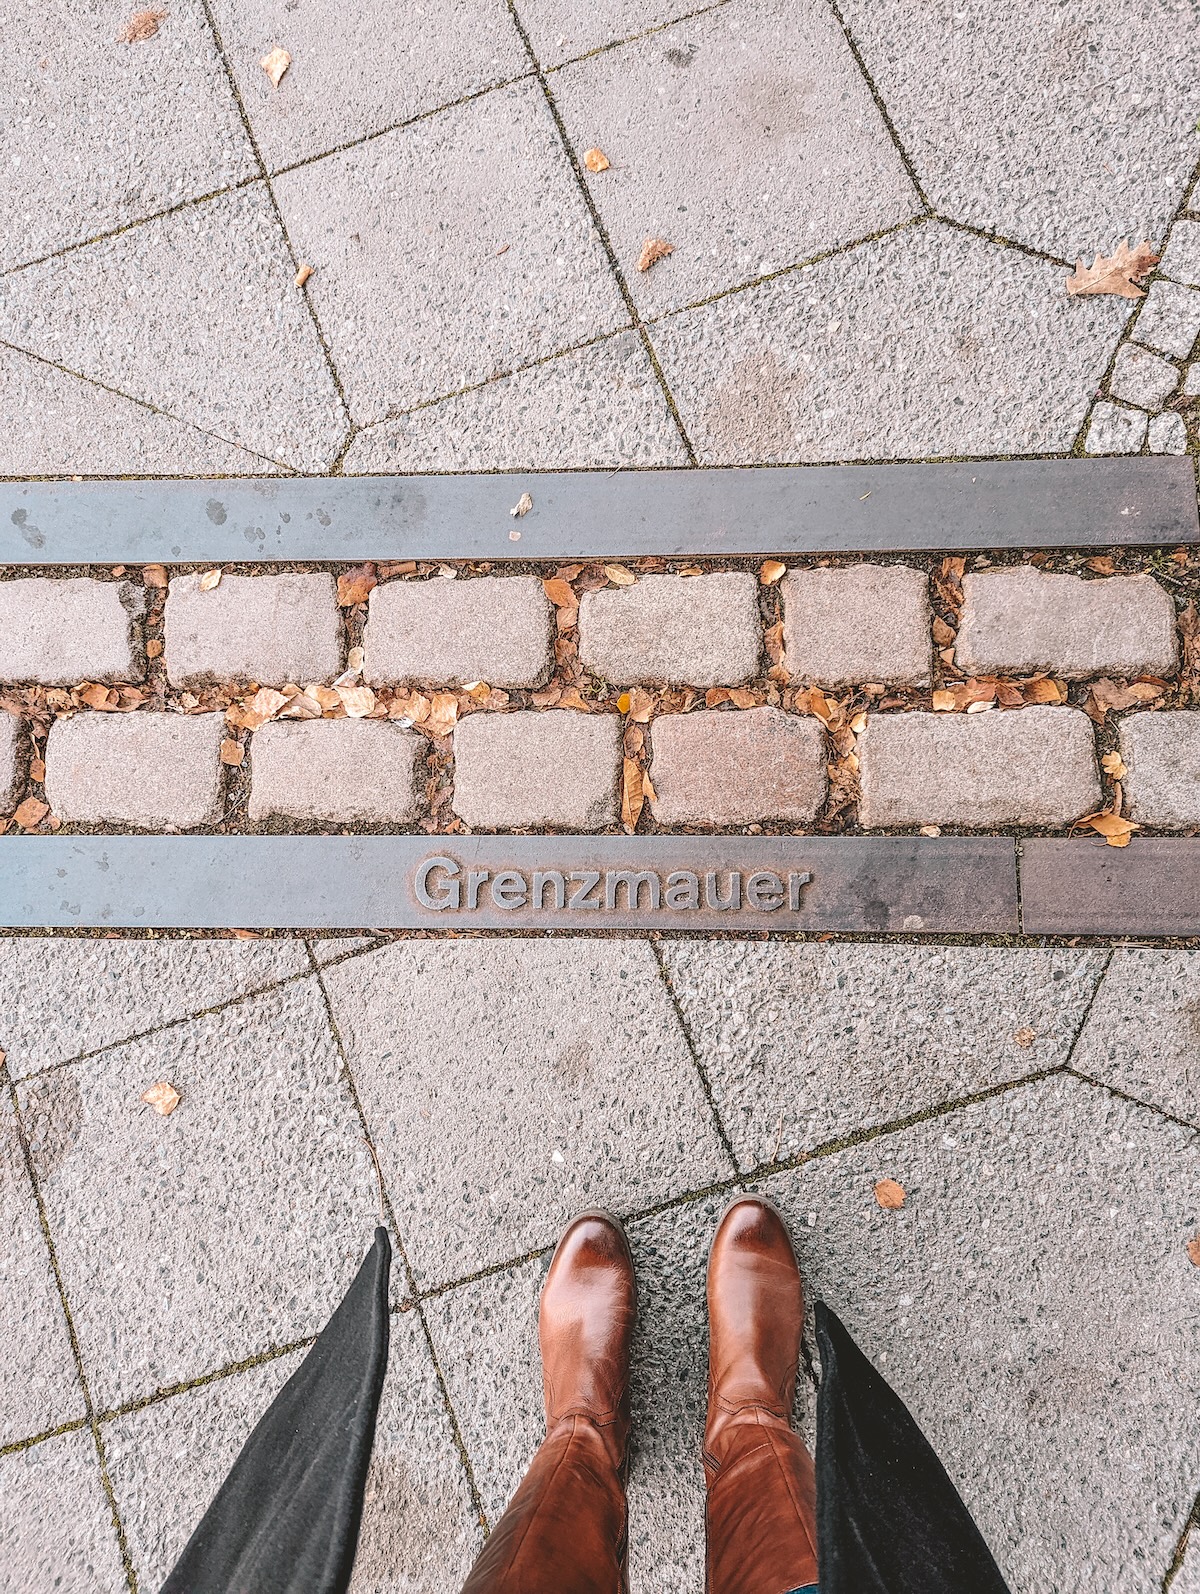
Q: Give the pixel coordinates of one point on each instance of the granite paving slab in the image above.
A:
(559, 31)
(56, 1528)
(1142, 1034)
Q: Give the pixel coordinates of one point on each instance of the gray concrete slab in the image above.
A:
(452, 250)
(99, 133)
(600, 407)
(921, 344)
(1067, 132)
(56, 1528)
(1142, 1034)
(1034, 1305)
(79, 995)
(39, 1385)
(192, 1241)
(196, 313)
(563, 1082)
(744, 136)
(357, 71)
(1187, 1579)
(804, 1044)
(560, 31)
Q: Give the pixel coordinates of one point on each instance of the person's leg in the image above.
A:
(761, 1514)
(564, 1529)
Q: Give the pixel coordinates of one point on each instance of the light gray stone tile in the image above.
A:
(193, 1241)
(723, 767)
(59, 631)
(1034, 1305)
(1162, 754)
(863, 623)
(39, 1387)
(267, 628)
(497, 629)
(600, 407)
(1066, 131)
(1181, 257)
(698, 630)
(449, 251)
(485, 1336)
(325, 948)
(563, 1082)
(926, 343)
(1168, 435)
(56, 1529)
(356, 71)
(1142, 377)
(167, 1461)
(337, 772)
(1169, 319)
(79, 994)
(83, 429)
(151, 771)
(804, 1044)
(1143, 1031)
(745, 136)
(10, 769)
(556, 769)
(560, 31)
(98, 133)
(196, 313)
(1116, 430)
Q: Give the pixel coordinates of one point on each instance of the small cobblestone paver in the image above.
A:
(1142, 1034)
(56, 1527)
(1181, 258)
(1020, 620)
(695, 630)
(862, 623)
(10, 773)
(338, 772)
(150, 771)
(1029, 766)
(191, 1242)
(496, 629)
(715, 767)
(1162, 754)
(557, 769)
(1115, 430)
(270, 628)
(58, 631)
(803, 1044)
(1169, 320)
(1142, 377)
(1191, 382)
(485, 1167)
(1168, 435)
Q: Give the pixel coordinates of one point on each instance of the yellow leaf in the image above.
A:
(209, 580)
(596, 160)
(944, 702)
(770, 571)
(623, 703)
(619, 576)
(276, 64)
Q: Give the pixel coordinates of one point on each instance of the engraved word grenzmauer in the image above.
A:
(444, 885)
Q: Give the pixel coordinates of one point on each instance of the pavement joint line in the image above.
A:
(1191, 1525)
(1001, 240)
(1088, 1005)
(701, 1071)
(1134, 1101)
(16, 1445)
(634, 38)
(202, 1380)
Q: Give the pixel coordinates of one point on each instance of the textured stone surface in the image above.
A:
(268, 628)
(920, 344)
(715, 767)
(1169, 319)
(78, 995)
(1034, 1305)
(1191, 382)
(338, 772)
(60, 631)
(1143, 1030)
(196, 313)
(1029, 766)
(745, 136)
(146, 770)
(698, 630)
(56, 1528)
(39, 1387)
(1168, 435)
(805, 1044)
(1181, 257)
(353, 72)
(557, 770)
(190, 1242)
(586, 1094)
(407, 231)
(1115, 430)
(560, 31)
(1142, 377)
(863, 623)
(1020, 620)
(496, 629)
(1162, 754)
(1063, 131)
(1187, 1579)
(599, 407)
(10, 769)
(418, 1532)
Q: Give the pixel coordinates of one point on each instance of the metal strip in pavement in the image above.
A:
(875, 884)
(605, 514)
(1085, 887)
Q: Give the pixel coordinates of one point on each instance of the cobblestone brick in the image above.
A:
(558, 769)
(864, 623)
(334, 771)
(1162, 755)
(1168, 434)
(1169, 320)
(718, 767)
(1181, 257)
(60, 631)
(1030, 766)
(494, 628)
(1021, 620)
(694, 630)
(1116, 430)
(269, 629)
(150, 771)
(10, 727)
(1141, 377)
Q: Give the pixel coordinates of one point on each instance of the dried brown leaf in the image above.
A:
(561, 593)
(354, 585)
(358, 701)
(654, 250)
(715, 696)
(1043, 691)
(410, 706)
(164, 1098)
(596, 160)
(741, 698)
(1106, 694)
(209, 580)
(944, 635)
(641, 705)
(154, 647)
(1102, 563)
(443, 714)
(632, 799)
(1115, 830)
(944, 702)
(1116, 273)
(522, 506)
(619, 576)
(154, 576)
(30, 813)
(232, 752)
(141, 26)
(1113, 764)
(1193, 1251)
(303, 707)
(275, 64)
(890, 1195)
(37, 769)
(771, 571)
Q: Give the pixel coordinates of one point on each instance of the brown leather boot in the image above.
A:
(762, 1493)
(564, 1530)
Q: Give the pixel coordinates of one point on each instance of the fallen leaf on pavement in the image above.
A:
(931, 830)
(232, 752)
(154, 647)
(741, 698)
(358, 701)
(944, 702)
(30, 813)
(619, 576)
(37, 769)
(647, 789)
(162, 1097)
(944, 635)
(266, 704)
(653, 250)
(1102, 564)
(1108, 694)
(443, 714)
(304, 273)
(522, 506)
(1115, 830)
(354, 585)
(141, 26)
(410, 706)
(631, 794)
(303, 707)
(276, 64)
(890, 1195)
(1193, 1251)
(1043, 690)
(355, 659)
(154, 576)
(98, 697)
(1114, 765)
(770, 571)
(209, 580)
(1116, 273)
(596, 160)
(641, 705)
(1025, 1036)
(561, 593)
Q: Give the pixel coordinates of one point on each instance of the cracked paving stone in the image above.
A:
(1142, 1034)
(56, 1527)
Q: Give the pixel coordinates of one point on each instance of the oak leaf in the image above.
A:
(1113, 764)
(1116, 273)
